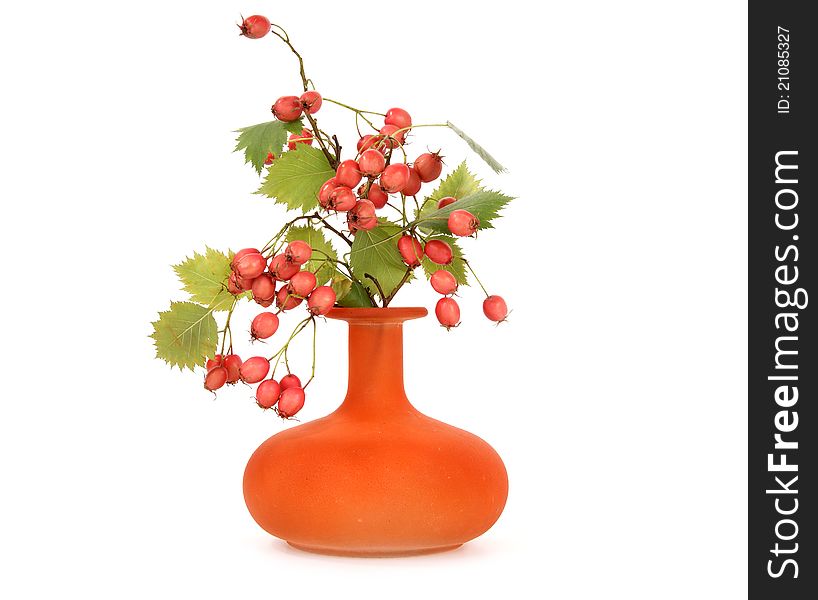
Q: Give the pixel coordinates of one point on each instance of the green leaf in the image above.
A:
(485, 205)
(185, 335)
(258, 140)
(322, 249)
(478, 149)
(375, 252)
(204, 277)
(350, 294)
(458, 184)
(457, 267)
(341, 286)
(295, 178)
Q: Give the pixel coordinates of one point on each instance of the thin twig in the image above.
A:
(331, 228)
(405, 278)
(377, 285)
(333, 161)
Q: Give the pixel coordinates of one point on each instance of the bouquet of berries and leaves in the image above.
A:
(363, 227)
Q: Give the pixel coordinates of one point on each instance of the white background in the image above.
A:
(615, 394)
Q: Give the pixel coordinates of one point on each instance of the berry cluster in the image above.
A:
(375, 188)
(252, 271)
(379, 177)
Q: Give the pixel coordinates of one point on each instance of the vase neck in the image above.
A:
(375, 367)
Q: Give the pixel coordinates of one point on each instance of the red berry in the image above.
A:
(447, 312)
(264, 288)
(232, 362)
(254, 369)
(232, 285)
(376, 195)
(462, 223)
(241, 254)
(267, 393)
(362, 216)
(412, 186)
(302, 283)
(290, 402)
(391, 139)
(443, 282)
(287, 108)
(249, 265)
(305, 137)
(215, 378)
(255, 27)
(394, 178)
(494, 307)
(445, 201)
(285, 300)
(371, 163)
(264, 325)
(270, 158)
(311, 101)
(290, 381)
(398, 117)
(341, 199)
(366, 142)
(410, 250)
(348, 174)
(237, 285)
(429, 166)
(321, 300)
(326, 190)
(439, 252)
(298, 252)
(281, 268)
(216, 361)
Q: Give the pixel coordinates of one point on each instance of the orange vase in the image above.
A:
(376, 477)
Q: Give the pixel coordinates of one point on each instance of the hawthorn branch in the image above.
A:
(377, 285)
(285, 37)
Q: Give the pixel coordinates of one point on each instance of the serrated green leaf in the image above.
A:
(204, 277)
(350, 294)
(457, 184)
(341, 286)
(185, 335)
(258, 140)
(322, 250)
(478, 149)
(485, 205)
(457, 267)
(375, 252)
(295, 178)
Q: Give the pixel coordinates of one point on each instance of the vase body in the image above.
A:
(376, 477)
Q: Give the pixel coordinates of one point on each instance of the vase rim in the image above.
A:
(378, 315)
